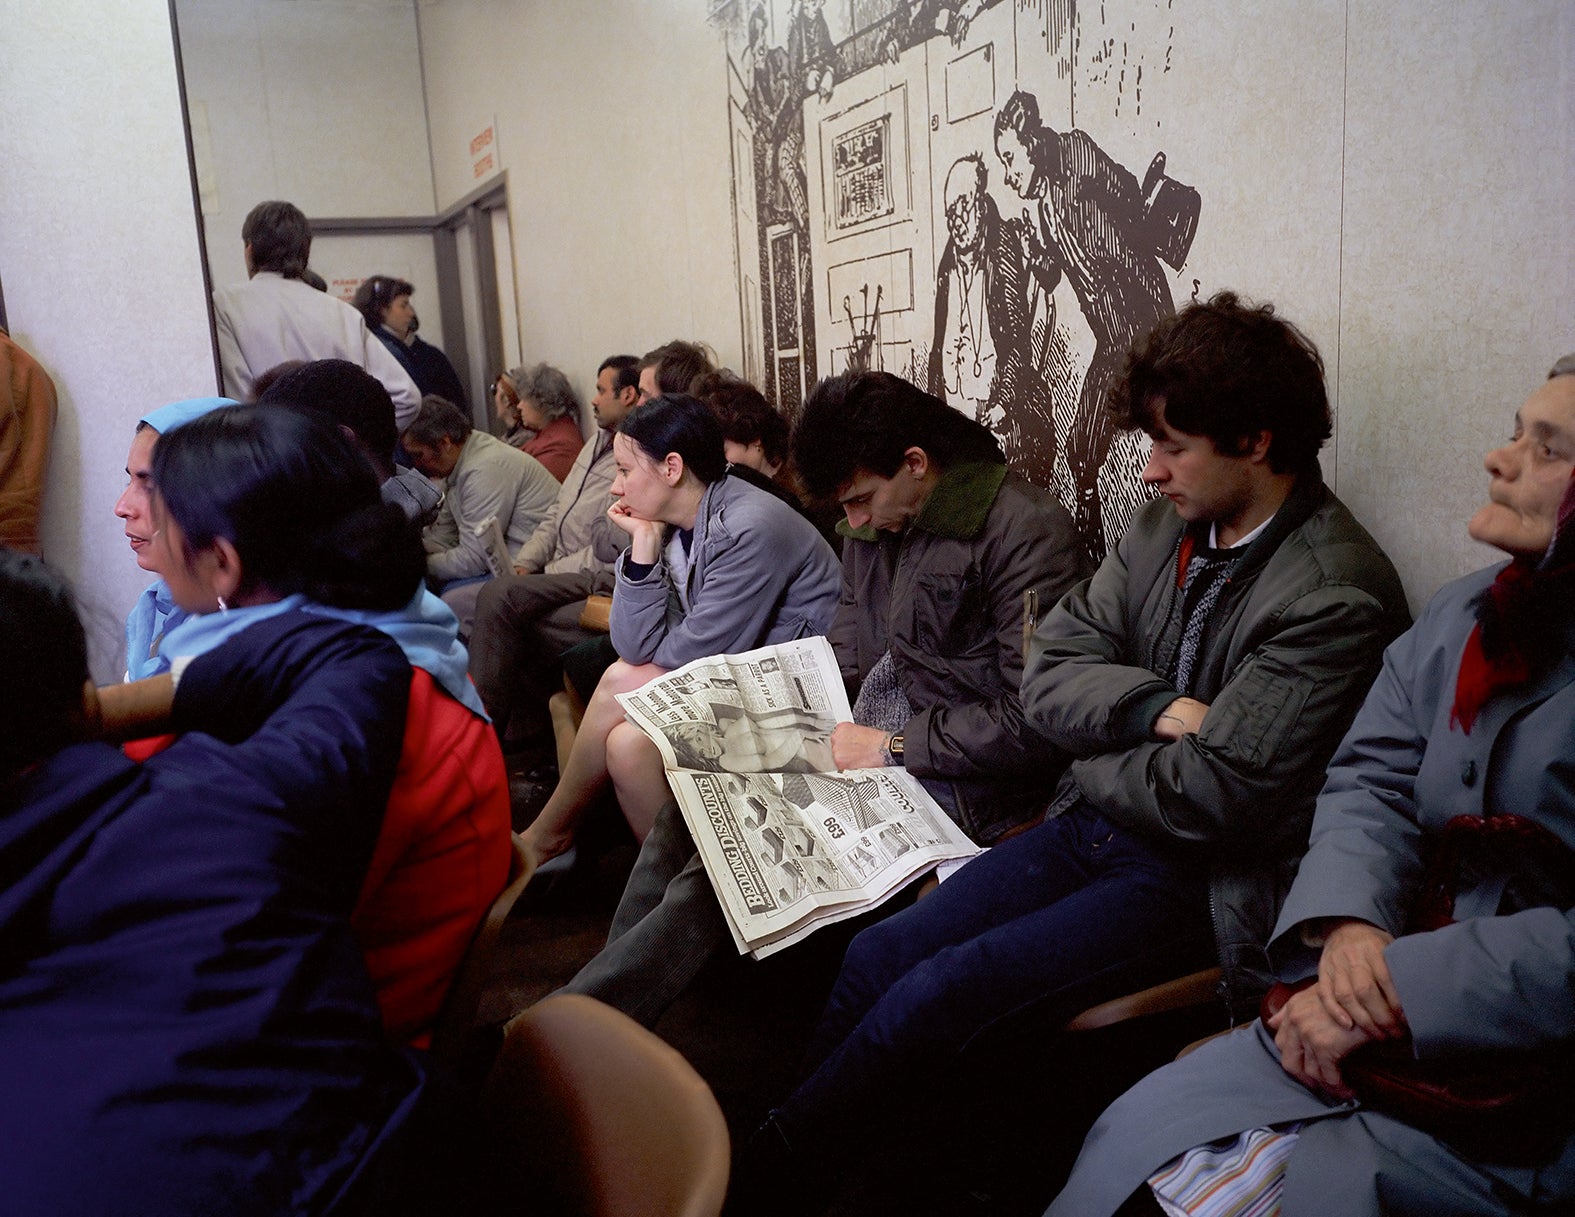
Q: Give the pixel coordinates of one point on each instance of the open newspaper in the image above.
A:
(790, 844)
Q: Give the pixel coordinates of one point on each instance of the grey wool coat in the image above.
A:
(1501, 978)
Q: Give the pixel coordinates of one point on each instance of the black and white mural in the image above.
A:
(974, 194)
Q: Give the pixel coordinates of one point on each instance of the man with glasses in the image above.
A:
(525, 621)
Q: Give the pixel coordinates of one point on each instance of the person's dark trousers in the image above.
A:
(523, 623)
(668, 926)
(1071, 913)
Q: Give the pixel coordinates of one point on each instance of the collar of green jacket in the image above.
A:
(956, 508)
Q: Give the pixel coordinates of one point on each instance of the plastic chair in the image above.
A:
(597, 614)
(475, 969)
(589, 1113)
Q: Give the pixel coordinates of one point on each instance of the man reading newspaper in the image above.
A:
(790, 843)
(941, 545)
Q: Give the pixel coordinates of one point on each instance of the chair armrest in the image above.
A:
(1198, 989)
(597, 614)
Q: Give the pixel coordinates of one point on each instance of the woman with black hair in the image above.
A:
(384, 302)
(263, 510)
(714, 566)
(187, 1024)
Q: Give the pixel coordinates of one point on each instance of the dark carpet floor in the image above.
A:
(743, 1025)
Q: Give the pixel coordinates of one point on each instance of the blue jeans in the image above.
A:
(1070, 913)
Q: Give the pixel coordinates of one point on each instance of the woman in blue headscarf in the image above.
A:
(258, 510)
(154, 614)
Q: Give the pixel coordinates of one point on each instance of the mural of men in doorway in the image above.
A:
(778, 80)
(1089, 226)
(980, 353)
(777, 115)
(911, 209)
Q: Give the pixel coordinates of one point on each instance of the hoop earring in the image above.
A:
(223, 607)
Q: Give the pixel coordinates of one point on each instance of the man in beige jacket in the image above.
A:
(484, 479)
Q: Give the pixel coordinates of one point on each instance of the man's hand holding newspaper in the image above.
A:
(789, 841)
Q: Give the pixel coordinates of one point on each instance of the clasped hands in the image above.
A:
(1353, 1003)
(1182, 717)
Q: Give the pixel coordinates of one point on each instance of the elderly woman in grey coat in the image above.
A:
(1472, 716)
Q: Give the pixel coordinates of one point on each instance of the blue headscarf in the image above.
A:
(178, 413)
(154, 614)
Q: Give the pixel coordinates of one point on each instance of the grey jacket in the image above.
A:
(758, 574)
(946, 597)
(1293, 644)
(490, 479)
(563, 542)
(1497, 979)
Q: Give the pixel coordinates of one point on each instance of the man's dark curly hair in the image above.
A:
(867, 420)
(1229, 371)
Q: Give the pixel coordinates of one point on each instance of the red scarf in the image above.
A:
(1512, 612)
(1482, 675)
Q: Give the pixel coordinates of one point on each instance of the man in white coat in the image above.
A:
(275, 316)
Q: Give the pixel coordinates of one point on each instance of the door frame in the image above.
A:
(475, 211)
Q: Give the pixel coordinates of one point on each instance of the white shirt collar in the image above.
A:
(1214, 536)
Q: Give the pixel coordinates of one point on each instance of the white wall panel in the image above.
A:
(99, 257)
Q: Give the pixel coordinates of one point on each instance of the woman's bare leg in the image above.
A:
(638, 777)
(585, 775)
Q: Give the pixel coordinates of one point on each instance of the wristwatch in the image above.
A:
(894, 750)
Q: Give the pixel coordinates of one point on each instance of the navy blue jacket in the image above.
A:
(428, 366)
(186, 1025)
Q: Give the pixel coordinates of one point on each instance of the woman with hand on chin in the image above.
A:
(714, 566)
(1432, 918)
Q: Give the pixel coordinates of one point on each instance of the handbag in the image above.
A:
(597, 614)
(1499, 1106)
